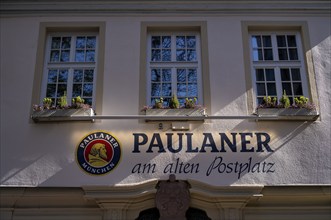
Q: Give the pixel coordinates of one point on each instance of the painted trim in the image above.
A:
(302, 27)
(127, 201)
(305, 7)
(47, 27)
(200, 26)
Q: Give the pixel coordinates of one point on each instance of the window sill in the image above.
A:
(299, 114)
(56, 115)
(183, 114)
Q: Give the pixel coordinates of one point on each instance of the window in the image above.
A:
(70, 66)
(173, 66)
(277, 65)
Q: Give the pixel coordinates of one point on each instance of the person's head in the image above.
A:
(99, 149)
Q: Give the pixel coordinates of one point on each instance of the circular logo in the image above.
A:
(98, 153)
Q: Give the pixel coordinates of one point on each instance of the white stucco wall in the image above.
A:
(44, 154)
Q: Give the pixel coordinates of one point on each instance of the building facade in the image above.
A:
(234, 138)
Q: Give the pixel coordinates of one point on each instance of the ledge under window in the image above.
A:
(171, 115)
(189, 114)
(298, 114)
(63, 115)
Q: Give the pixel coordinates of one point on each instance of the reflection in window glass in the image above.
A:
(173, 67)
(262, 47)
(278, 68)
(71, 67)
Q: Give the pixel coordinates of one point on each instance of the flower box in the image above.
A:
(62, 115)
(289, 113)
(176, 114)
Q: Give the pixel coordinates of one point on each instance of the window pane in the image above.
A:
(56, 41)
(256, 41)
(156, 42)
(90, 54)
(259, 74)
(180, 55)
(291, 41)
(166, 89)
(166, 55)
(181, 101)
(66, 42)
(156, 55)
(270, 74)
(78, 75)
(257, 55)
(287, 88)
(156, 89)
(55, 56)
(285, 74)
(52, 76)
(260, 101)
(156, 75)
(88, 76)
(88, 89)
(297, 89)
(61, 90)
(293, 54)
(191, 55)
(77, 90)
(166, 101)
(192, 90)
(88, 101)
(271, 88)
(281, 41)
(296, 74)
(65, 55)
(51, 89)
(63, 76)
(267, 41)
(192, 75)
(180, 42)
(260, 89)
(181, 75)
(80, 43)
(191, 41)
(91, 42)
(268, 54)
(80, 56)
(282, 53)
(166, 42)
(181, 90)
(166, 75)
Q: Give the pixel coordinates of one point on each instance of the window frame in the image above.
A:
(173, 64)
(50, 27)
(277, 64)
(248, 26)
(71, 65)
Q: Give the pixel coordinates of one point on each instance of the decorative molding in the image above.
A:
(133, 196)
(126, 201)
(164, 7)
(172, 198)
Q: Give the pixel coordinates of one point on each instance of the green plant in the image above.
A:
(47, 102)
(159, 103)
(78, 102)
(285, 101)
(301, 102)
(174, 103)
(190, 103)
(63, 101)
(270, 102)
